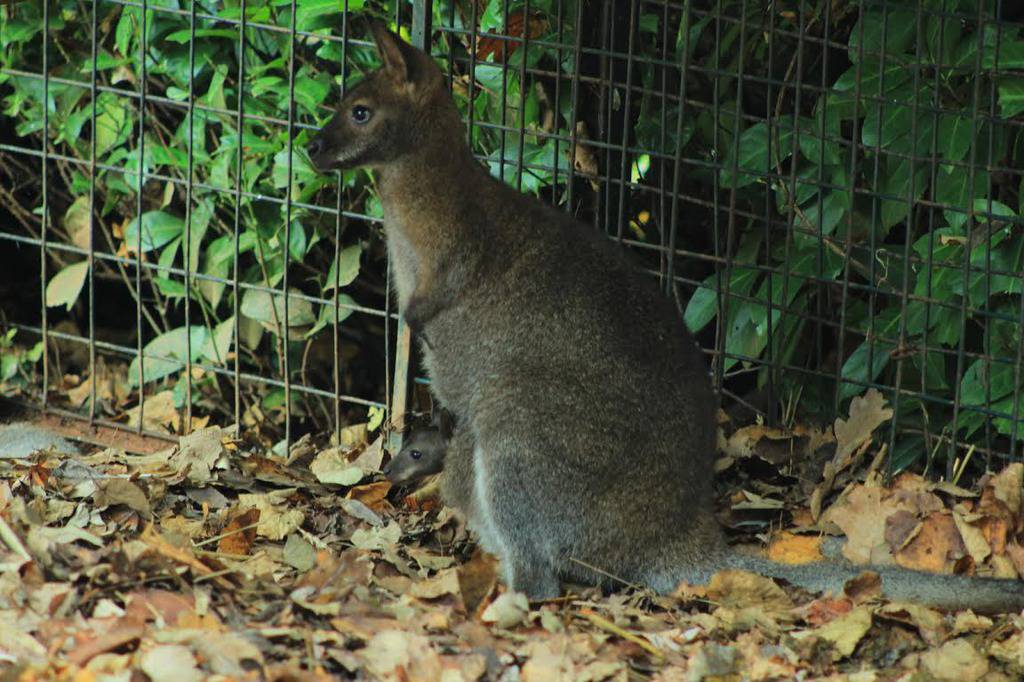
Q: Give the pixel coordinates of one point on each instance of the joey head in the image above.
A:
(586, 417)
(422, 453)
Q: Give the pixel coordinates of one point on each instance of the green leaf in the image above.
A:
(953, 189)
(218, 344)
(166, 354)
(343, 303)
(112, 124)
(702, 306)
(158, 228)
(829, 213)
(955, 135)
(985, 381)
(942, 33)
(1011, 96)
(268, 311)
(345, 268)
(183, 36)
(856, 367)
(897, 183)
(755, 144)
(65, 286)
(891, 31)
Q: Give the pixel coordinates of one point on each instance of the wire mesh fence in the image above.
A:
(831, 191)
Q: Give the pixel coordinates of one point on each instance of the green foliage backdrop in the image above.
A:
(845, 211)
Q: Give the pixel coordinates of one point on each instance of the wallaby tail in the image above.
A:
(946, 592)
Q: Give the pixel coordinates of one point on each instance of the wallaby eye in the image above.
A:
(415, 454)
(361, 114)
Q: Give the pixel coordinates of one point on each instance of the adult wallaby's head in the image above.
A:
(392, 112)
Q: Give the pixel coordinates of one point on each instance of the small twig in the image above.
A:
(12, 540)
(611, 627)
(603, 572)
(958, 470)
(217, 538)
(215, 574)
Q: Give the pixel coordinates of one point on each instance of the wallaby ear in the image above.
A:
(398, 56)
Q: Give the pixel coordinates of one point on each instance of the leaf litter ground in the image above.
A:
(215, 559)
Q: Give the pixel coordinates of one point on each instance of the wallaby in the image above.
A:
(422, 453)
(585, 414)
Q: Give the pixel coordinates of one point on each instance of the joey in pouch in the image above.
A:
(422, 453)
(585, 415)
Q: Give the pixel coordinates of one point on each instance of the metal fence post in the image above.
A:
(421, 14)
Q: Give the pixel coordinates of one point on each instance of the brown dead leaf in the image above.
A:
(790, 548)
(585, 156)
(199, 452)
(477, 579)
(157, 414)
(445, 583)
(373, 495)
(118, 633)
(169, 663)
(935, 547)
(955, 660)
(240, 533)
(507, 611)
(930, 624)
(867, 413)
(516, 27)
(1006, 486)
(861, 513)
(547, 661)
(277, 517)
(968, 622)
(399, 655)
(900, 528)
(1010, 651)
(864, 588)
(1015, 553)
(362, 628)
(973, 538)
(844, 633)
(825, 610)
(181, 555)
(172, 608)
(740, 589)
(115, 491)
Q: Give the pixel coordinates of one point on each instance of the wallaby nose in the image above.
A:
(315, 146)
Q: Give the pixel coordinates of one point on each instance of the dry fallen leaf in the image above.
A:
(240, 532)
(935, 547)
(955, 660)
(740, 589)
(277, 518)
(122, 491)
(170, 663)
(845, 632)
(331, 466)
(867, 413)
(508, 610)
(790, 548)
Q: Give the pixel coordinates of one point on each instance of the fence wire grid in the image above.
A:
(831, 191)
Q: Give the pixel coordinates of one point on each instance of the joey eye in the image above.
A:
(361, 114)
(415, 454)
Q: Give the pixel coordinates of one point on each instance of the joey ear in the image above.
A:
(445, 423)
(398, 56)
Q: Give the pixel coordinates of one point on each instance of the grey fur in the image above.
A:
(19, 440)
